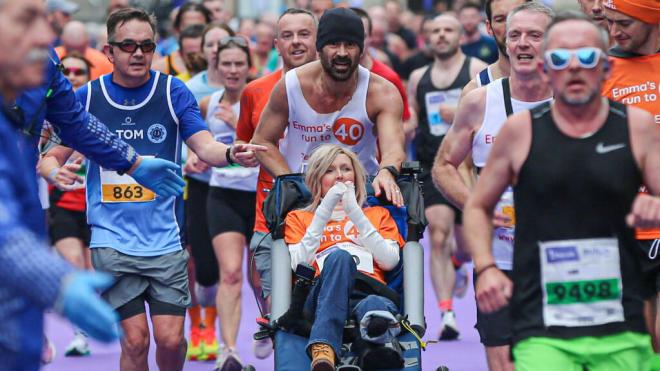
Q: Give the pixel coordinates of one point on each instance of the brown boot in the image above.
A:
(323, 357)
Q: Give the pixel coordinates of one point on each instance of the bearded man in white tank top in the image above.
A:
(334, 100)
(481, 114)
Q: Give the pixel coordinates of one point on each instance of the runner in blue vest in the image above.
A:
(136, 235)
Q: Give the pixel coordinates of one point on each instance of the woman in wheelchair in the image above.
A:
(345, 243)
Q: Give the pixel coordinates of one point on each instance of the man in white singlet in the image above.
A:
(335, 100)
(481, 114)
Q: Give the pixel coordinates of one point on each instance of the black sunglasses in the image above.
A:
(130, 46)
(238, 40)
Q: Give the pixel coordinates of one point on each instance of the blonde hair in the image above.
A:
(318, 164)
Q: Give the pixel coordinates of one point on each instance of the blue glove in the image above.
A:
(159, 176)
(79, 302)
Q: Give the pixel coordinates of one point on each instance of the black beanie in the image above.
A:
(340, 24)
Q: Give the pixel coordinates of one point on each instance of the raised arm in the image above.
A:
(273, 122)
(76, 127)
(82, 131)
(199, 139)
(384, 251)
(303, 249)
(456, 146)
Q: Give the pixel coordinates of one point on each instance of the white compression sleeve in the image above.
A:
(304, 250)
(385, 252)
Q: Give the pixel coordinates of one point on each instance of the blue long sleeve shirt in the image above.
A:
(30, 274)
(56, 102)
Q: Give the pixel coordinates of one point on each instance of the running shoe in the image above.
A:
(462, 281)
(228, 360)
(78, 346)
(449, 329)
(194, 352)
(262, 348)
(47, 352)
(209, 344)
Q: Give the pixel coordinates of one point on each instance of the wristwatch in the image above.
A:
(228, 156)
(392, 169)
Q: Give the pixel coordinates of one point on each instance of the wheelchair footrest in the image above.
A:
(265, 329)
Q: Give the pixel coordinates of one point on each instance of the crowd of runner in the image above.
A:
(560, 215)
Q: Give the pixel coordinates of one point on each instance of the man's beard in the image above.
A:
(580, 102)
(329, 67)
(444, 55)
(501, 46)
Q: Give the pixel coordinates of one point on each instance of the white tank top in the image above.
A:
(494, 117)
(234, 176)
(349, 127)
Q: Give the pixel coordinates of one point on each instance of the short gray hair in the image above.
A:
(531, 6)
(572, 15)
(293, 11)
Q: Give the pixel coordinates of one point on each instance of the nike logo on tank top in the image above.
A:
(349, 127)
(576, 263)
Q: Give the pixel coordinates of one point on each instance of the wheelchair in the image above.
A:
(407, 278)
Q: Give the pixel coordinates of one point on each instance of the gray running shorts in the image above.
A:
(162, 278)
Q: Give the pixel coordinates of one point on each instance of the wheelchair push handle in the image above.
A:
(411, 168)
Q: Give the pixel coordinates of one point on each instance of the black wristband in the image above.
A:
(482, 270)
(392, 169)
(228, 156)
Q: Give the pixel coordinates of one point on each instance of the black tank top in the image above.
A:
(426, 144)
(574, 188)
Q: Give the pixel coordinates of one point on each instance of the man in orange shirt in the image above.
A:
(75, 38)
(635, 80)
(296, 44)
